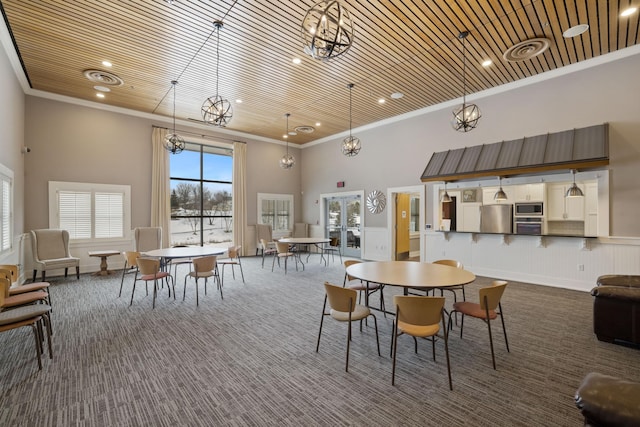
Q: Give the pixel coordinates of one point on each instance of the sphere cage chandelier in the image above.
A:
(287, 161)
(327, 31)
(351, 144)
(216, 110)
(466, 116)
(173, 142)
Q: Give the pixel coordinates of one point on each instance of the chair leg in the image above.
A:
(446, 351)
(124, 269)
(488, 321)
(155, 292)
(274, 263)
(504, 330)
(375, 322)
(197, 296)
(35, 272)
(346, 367)
(324, 306)
(37, 339)
(66, 272)
(395, 350)
(44, 274)
(241, 272)
(133, 290)
(184, 290)
(78, 272)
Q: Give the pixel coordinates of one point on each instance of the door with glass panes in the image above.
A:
(342, 221)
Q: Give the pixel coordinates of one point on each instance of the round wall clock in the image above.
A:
(376, 201)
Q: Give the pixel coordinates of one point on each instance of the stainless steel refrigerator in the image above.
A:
(496, 218)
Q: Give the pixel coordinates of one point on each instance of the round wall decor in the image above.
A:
(376, 201)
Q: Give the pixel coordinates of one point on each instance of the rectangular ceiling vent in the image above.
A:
(571, 149)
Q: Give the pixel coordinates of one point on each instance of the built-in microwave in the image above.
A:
(529, 209)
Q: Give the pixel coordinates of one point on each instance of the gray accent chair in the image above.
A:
(50, 249)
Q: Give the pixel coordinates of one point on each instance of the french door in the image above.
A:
(342, 221)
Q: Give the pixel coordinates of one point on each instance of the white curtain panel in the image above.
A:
(239, 194)
(160, 188)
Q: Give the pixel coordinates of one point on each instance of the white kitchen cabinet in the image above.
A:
(470, 217)
(561, 208)
(489, 192)
(591, 209)
(528, 192)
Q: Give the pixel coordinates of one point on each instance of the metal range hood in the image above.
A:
(571, 149)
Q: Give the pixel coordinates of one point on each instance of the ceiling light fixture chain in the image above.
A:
(287, 161)
(173, 142)
(466, 116)
(351, 145)
(216, 110)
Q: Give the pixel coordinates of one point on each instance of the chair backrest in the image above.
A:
(12, 269)
(263, 231)
(300, 229)
(264, 244)
(148, 265)
(418, 310)
(334, 242)
(450, 263)
(50, 244)
(234, 252)
(347, 263)
(147, 238)
(493, 294)
(204, 264)
(131, 258)
(282, 248)
(340, 299)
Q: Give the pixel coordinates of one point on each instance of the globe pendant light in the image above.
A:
(287, 161)
(327, 30)
(500, 194)
(216, 110)
(174, 142)
(351, 144)
(445, 197)
(574, 190)
(466, 116)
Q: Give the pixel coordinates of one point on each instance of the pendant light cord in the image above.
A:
(218, 26)
(464, 70)
(174, 83)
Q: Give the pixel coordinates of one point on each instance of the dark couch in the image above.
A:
(608, 401)
(616, 308)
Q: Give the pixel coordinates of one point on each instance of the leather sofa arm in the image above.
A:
(608, 401)
(617, 292)
(623, 280)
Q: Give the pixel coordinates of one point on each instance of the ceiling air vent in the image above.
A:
(305, 129)
(103, 77)
(526, 49)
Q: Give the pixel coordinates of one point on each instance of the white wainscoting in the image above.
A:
(565, 262)
(375, 244)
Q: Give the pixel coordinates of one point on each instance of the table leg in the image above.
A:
(104, 271)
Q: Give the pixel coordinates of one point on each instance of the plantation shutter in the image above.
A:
(109, 215)
(74, 208)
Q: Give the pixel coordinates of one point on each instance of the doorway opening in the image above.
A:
(406, 214)
(342, 223)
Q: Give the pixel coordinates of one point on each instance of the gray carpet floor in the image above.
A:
(249, 359)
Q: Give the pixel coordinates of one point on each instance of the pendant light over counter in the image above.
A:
(173, 142)
(466, 116)
(445, 196)
(216, 110)
(574, 190)
(500, 194)
(287, 161)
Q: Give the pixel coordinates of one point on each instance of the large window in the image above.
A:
(6, 209)
(90, 211)
(277, 210)
(201, 195)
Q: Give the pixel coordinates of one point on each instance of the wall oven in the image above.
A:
(528, 209)
(528, 225)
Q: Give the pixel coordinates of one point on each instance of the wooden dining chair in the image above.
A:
(14, 274)
(149, 269)
(488, 309)
(363, 288)
(33, 315)
(203, 268)
(284, 253)
(343, 308)
(233, 260)
(419, 317)
(268, 248)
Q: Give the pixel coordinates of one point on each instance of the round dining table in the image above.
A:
(410, 274)
(167, 254)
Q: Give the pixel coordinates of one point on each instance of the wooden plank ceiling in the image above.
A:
(407, 46)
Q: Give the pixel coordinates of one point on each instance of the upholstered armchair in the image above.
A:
(50, 249)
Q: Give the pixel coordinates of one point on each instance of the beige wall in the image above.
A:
(396, 154)
(76, 143)
(11, 142)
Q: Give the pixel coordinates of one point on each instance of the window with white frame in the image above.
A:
(90, 211)
(6, 209)
(277, 210)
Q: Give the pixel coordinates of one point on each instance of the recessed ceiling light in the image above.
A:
(100, 95)
(107, 63)
(296, 60)
(238, 101)
(381, 101)
(317, 124)
(285, 136)
(629, 11)
(293, 133)
(396, 95)
(575, 31)
(102, 88)
(487, 62)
